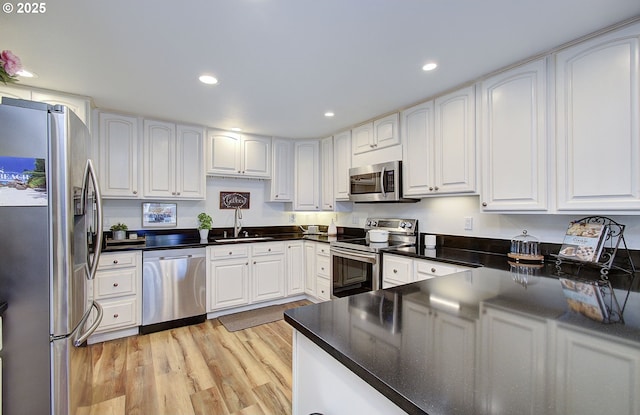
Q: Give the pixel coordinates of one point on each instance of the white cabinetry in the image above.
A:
(80, 105)
(306, 194)
(227, 276)
(327, 172)
(173, 161)
(295, 267)
(117, 288)
(514, 139)
(342, 164)
(323, 272)
(267, 271)
(396, 270)
(239, 155)
(376, 135)
(118, 159)
(321, 384)
(424, 269)
(512, 340)
(598, 133)
(438, 144)
(280, 187)
(310, 279)
(595, 375)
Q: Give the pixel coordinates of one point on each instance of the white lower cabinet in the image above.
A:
(396, 270)
(118, 288)
(267, 271)
(323, 385)
(323, 272)
(310, 279)
(614, 387)
(295, 267)
(512, 340)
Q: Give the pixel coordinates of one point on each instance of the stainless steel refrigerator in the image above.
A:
(50, 239)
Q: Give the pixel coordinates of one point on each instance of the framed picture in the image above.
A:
(159, 215)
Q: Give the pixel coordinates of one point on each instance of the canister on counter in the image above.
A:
(526, 248)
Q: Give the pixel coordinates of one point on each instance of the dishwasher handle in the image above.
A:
(168, 258)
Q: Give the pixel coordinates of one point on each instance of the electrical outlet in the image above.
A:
(292, 218)
(468, 223)
(355, 220)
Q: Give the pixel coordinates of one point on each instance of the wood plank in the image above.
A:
(199, 369)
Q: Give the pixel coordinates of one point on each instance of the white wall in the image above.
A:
(442, 215)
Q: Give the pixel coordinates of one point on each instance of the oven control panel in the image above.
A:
(406, 226)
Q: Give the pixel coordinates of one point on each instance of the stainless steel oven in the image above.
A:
(355, 264)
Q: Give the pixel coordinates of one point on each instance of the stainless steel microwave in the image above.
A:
(377, 183)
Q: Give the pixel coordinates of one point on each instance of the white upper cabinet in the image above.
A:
(173, 161)
(598, 133)
(14, 92)
(514, 139)
(454, 149)
(381, 133)
(417, 148)
(118, 158)
(280, 187)
(233, 154)
(307, 175)
(342, 164)
(438, 144)
(327, 171)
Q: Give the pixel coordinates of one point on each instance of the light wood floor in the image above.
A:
(198, 369)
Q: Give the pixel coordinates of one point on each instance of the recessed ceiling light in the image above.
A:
(329, 114)
(236, 129)
(26, 74)
(208, 79)
(430, 66)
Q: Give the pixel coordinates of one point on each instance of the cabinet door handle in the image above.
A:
(254, 262)
(430, 188)
(116, 315)
(269, 249)
(433, 270)
(436, 188)
(115, 261)
(115, 284)
(395, 271)
(230, 253)
(135, 192)
(484, 204)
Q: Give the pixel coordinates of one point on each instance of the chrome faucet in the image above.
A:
(237, 226)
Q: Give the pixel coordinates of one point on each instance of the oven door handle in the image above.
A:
(354, 255)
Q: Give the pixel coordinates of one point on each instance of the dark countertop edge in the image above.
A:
(3, 307)
(390, 393)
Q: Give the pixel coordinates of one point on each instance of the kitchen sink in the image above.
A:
(241, 239)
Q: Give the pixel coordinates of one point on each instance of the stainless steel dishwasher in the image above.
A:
(173, 288)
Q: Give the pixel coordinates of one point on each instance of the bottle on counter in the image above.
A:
(332, 230)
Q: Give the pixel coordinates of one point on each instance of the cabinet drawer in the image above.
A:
(235, 251)
(268, 248)
(322, 266)
(322, 249)
(323, 289)
(115, 282)
(434, 268)
(118, 314)
(397, 270)
(120, 259)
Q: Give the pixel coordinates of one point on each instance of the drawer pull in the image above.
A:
(433, 270)
(269, 249)
(116, 315)
(230, 253)
(115, 284)
(115, 261)
(395, 271)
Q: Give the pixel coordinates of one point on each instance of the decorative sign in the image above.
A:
(159, 215)
(23, 181)
(234, 200)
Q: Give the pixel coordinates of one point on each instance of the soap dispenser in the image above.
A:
(333, 230)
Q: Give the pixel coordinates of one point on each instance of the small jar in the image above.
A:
(525, 247)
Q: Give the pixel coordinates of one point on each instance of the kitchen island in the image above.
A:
(475, 342)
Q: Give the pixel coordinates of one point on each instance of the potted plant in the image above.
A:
(204, 225)
(119, 231)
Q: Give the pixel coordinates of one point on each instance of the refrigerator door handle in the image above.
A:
(77, 342)
(90, 174)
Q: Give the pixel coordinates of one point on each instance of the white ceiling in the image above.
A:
(283, 63)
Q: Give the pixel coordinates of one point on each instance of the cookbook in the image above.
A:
(583, 241)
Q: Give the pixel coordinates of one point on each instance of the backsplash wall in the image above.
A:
(441, 215)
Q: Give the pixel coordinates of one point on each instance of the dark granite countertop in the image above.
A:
(403, 355)
(188, 238)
